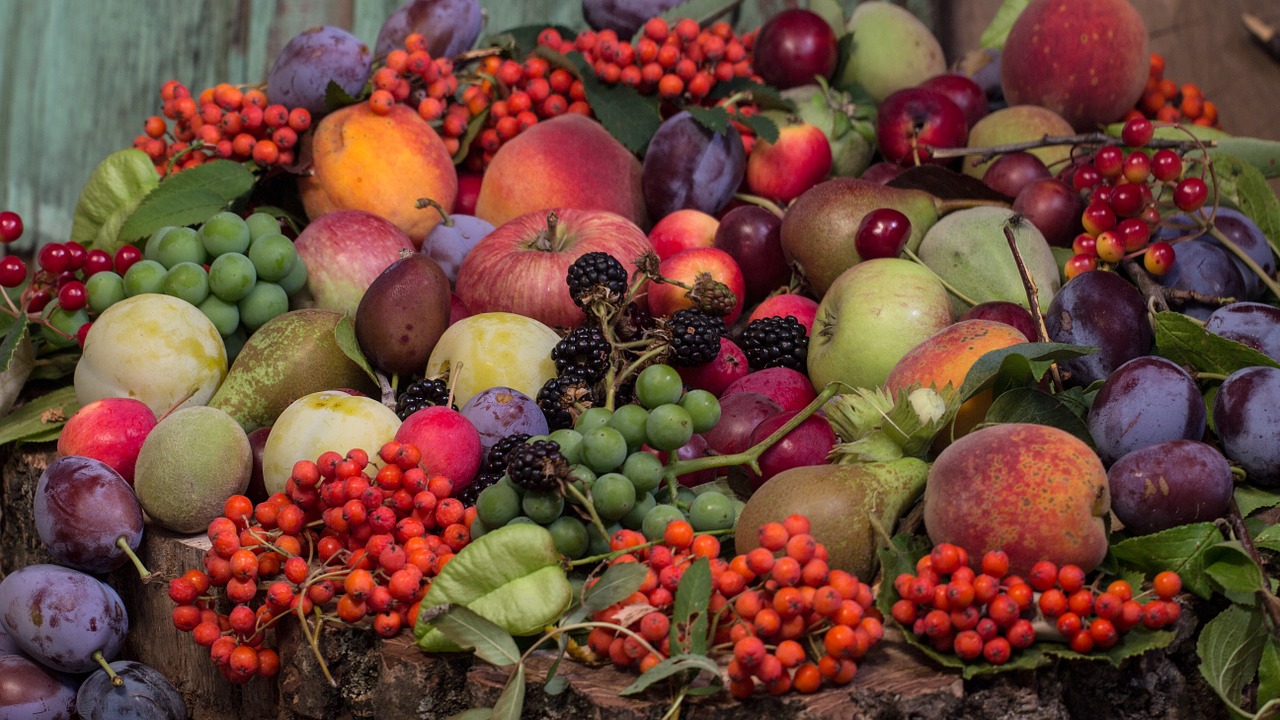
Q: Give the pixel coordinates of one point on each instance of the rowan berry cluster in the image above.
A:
(1163, 100)
(990, 614)
(343, 541)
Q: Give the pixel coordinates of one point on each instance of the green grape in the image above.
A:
(603, 449)
(273, 256)
(66, 322)
(224, 233)
(570, 442)
(477, 528)
(592, 418)
(598, 544)
(296, 279)
(234, 342)
(151, 250)
(581, 478)
(105, 289)
(144, 276)
(225, 316)
(187, 281)
(517, 520)
(644, 469)
(261, 223)
(704, 409)
(634, 520)
(629, 420)
(656, 520)
(265, 301)
(613, 496)
(684, 496)
(506, 480)
(658, 385)
(569, 535)
(497, 505)
(711, 510)
(668, 427)
(179, 245)
(232, 276)
(543, 507)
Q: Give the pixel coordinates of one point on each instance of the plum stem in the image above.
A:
(1095, 138)
(950, 288)
(99, 658)
(123, 543)
(426, 202)
(1033, 295)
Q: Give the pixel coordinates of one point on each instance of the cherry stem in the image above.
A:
(950, 288)
(1033, 298)
(123, 543)
(99, 658)
(1095, 138)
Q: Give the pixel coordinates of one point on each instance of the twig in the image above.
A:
(1153, 291)
(1033, 295)
(1270, 603)
(1096, 138)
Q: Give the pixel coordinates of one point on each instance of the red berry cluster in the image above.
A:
(991, 614)
(377, 538)
(1128, 192)
(224, 121)
(1163, 100)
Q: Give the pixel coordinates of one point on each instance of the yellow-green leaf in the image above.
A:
(41, 419)
(110, 195)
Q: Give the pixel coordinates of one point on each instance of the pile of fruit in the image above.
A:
(721, 355)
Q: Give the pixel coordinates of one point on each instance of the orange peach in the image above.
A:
(381, 164)
(1034, 491)
(945, 359)
(567, 161)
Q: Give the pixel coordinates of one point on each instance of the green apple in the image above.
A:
(891, 49)
(322, 421)
(494, 349)
(871, 316)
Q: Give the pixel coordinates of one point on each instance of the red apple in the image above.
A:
(449, 443)
(110, 430)
(457, 309)
(521, 266)
(789, 388)
(794, 46)
(753, 236)
(967, 94)
(682, 230)
(344, 251)
(800, 307)
(912, 121)
(718, 374)
(688, 267)
(800, 159)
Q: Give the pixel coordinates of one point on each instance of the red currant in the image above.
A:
(1158, 258)
(72, 296)
(54, 258)
(1166, 165)
(1190, 194)
(10, 226)
(1109, 160)
(1137, 132)
(1080, 264)
(1126, 200)
(126, 256)
(12, 271)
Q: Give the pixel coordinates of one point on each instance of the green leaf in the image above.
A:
(762, 95)
(511, 702)
(1244, 186)
(14, 334)
(344, 333)
(614, 585)
(18, 358)
(468, 630)
(1181, 549)
(1269, 538)
(715, 119)
(673, 665)
(1017, 366)
(763, 126)
(1032, 405)
(1251, 499)
(626, 114)
(1269, 672)
(1230, 650)
(689, 614)
(1262, 154)
(510, 576)
(38, 419)
(703, 11)
(336, 96)
(998, 31)
(555, 685)
(188, 198)
(523, 40)
(1186, 342)
(473, 129)
(1232, 569)
(111, 194)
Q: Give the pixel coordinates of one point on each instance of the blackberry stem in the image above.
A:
(591, 508)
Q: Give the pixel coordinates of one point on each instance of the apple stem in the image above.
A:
(123, 544)
(106, 667)
(1096, 138)
(454, 373)
(545, 241)
(950, 288)
(765, 203)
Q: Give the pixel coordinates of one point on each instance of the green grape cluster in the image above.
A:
(614, 469)
(240, 272)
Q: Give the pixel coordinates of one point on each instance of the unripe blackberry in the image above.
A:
(563, 397)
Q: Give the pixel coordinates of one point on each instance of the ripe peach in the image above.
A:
(944, 359)
(382, 164)
(1034, 491)
(567, 161)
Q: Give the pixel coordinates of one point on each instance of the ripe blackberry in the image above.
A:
(537, 465)
(695, 337)
(584, 351)
(471, 492)
(495, 461)
(775, 342)
(424, 393)
(563, 397)
(596, 276)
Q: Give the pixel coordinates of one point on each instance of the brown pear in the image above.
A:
(402, 315)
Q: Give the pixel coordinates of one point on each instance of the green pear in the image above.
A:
(891, 49)
(843, 503)
(819, 226)
(969, 251)
(292, 355)
(191, 462)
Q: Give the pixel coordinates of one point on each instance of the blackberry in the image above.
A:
(596, 276)
(584, 351)
(471, 492)
(695, 337)
(495, 461)
(424, 393)
(537, 465)
(775, 342)
(633, 322)
(562, 397)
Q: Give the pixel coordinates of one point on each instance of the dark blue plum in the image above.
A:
(87, 514)
(1246, 416)
(310, 60)
(688, 166)
(1250, 323)
(145, 695)
(450, 26)
(30, 691)
(1147, 400)
(1169, 484)
(1102, 309)
(61, 617)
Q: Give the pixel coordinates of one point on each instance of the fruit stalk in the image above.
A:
(1042, 332)
(1097, 138)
